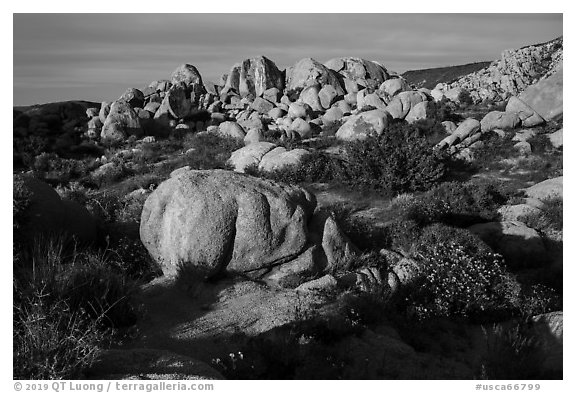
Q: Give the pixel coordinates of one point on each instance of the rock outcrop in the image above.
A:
(514, 72)
(218, 221)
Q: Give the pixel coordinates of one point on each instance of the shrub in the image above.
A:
(314, 167)
(539, 299)
(29, 147)
(453, 282)
(399, 160)
(51, 167)
(105, 206)
(540, 144)
(211, 150)
(111, 173)
(445, 111)
(403, 234)
(129, 257)
(431, 129)
(493, 149)
(455, 203)
(74, 191)
(111, 208)
(435, 234)
(465, 99)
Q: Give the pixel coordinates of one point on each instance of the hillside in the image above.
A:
(430, 77)
(514, 72)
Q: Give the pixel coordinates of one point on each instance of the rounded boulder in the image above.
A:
(222, 221)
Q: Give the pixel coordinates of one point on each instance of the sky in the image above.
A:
(95, 57)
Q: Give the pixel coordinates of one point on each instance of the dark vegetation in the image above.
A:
(399, 160)
(430, 77)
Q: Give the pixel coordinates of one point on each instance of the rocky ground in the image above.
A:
(324, 221)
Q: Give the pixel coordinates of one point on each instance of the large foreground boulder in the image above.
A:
(216, 221)
(224, 221)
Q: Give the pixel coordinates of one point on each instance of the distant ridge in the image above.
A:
(51, 106)
(430, 77)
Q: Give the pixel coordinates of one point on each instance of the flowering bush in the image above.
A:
(455, 283)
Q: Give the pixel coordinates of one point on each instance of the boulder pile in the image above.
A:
(348, 97)
(539, 103)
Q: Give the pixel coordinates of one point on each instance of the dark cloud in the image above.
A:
(97, 56)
